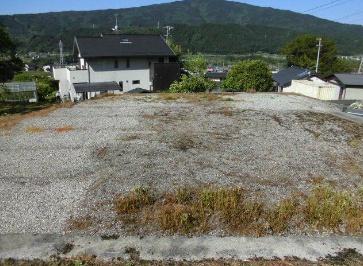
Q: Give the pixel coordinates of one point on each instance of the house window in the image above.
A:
(161, 59)
(136, 82)
(115, 64)
(128, 63)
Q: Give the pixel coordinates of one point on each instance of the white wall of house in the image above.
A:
(353, 94)
(137, 75)
(314, 88)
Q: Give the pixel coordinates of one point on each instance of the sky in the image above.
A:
(345, 11)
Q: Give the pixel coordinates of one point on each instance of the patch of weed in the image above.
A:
(34, 130)
(138, 199)
(64, 129)
(81, 223)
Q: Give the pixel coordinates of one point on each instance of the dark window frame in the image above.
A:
(136, 82)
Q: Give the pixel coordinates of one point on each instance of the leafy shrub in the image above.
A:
(196, 64)
(191, 84)
(249, 75)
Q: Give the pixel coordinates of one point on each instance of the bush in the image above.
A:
(191, 84)
(249, 75)
(46, 86)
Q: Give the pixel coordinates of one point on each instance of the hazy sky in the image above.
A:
(347, 11)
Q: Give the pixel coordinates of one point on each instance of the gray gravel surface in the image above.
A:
(270, 144)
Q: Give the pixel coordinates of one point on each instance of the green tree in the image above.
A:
(177, 49)
(249, 75)
(303, 51)
(9, 62)
(197, 64)
(191, 84)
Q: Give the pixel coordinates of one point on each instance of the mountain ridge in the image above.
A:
(193, 13)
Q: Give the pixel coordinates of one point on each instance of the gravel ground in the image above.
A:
(270, 144)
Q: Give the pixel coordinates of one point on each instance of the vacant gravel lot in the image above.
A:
(73, 162)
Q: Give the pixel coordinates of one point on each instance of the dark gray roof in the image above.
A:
(96, 86)
(350, 79)
(216, 75)
(285, 76)
(21, 86)
(122, 45)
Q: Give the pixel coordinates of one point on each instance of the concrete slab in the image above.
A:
(22, 246)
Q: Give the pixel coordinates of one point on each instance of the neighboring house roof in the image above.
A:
(285, 76)
(20, 86)
(96, 86)
(354, 80)
(122, 45)
(216, 75)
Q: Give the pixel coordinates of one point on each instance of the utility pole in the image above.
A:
(318, 59)
(168, 31)
(61, 57)
(361, 65)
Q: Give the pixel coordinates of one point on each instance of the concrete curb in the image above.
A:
(176, 248)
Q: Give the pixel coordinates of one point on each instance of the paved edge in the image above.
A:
(20, 246)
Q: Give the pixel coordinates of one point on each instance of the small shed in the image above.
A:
(351, 86)
(18, 92)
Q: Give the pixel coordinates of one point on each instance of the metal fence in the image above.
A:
(18, 92)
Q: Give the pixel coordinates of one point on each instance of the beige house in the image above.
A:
(314, 87)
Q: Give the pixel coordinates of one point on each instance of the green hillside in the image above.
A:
(202, 25)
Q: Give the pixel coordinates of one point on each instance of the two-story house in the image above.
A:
(117, 63)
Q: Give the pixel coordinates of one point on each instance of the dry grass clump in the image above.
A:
(130, 137)
(138, 199)
(64, 129)
(201, 210)
(101, 152)
(189, 97)
(185, 142)
(81, 223)
(330, 209)
(9, 121)
(226, 111)
(34, 130)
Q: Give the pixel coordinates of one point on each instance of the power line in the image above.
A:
(329, 5)
(323, 5)
(350, 15)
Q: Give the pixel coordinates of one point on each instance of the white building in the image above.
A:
(117, 63)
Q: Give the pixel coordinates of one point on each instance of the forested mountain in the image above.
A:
(201, 25)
